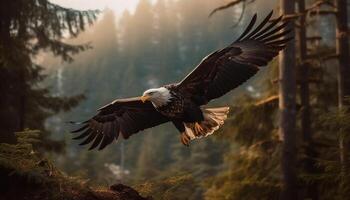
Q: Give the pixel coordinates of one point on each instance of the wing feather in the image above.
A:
(267, 28)
(116, 128)
(277, 36)
(249, 27)
(273, 31)
(89, 139)
(97, 141)
(83, 135)
(122, 116)
(80, 129)
(261, 25)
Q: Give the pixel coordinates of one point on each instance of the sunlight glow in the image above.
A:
(118, 6)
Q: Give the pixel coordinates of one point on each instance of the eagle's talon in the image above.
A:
(185, 139)
(198, 128)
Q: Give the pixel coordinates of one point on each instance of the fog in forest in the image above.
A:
(158, 44)
(286, 136)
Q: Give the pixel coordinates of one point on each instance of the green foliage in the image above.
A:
(334, 126)
(24, 170)
(12, 155)
(252, 123)
(174, 188)
(252, 166)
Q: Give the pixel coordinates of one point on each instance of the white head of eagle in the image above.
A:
(158, 96)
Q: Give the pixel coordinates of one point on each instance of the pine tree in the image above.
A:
(343, 51)
(26, 29)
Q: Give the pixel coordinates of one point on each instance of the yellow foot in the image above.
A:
(185, 139)
(198, 129)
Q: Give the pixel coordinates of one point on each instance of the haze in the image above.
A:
(118, 6)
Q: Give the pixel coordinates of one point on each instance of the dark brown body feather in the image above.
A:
(217, 74)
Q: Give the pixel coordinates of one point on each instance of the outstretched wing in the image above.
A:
(226, 69)
(122, 116)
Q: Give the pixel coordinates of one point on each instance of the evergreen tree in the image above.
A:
(343, 51)
(27, 28)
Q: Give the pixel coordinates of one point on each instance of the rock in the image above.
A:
(126, 192)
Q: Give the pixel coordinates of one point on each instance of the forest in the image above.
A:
(286, 137)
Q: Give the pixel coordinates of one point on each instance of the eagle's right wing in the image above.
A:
(122, 116)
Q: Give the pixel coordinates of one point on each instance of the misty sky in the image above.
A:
(116, 5)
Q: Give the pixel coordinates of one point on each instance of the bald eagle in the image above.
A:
(182, 103)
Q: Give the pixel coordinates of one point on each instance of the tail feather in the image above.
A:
(213, 119)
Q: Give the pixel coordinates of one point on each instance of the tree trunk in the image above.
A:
(22, 81)
(287, 96)
(342, 46)
(343, 52)
(22, 100)
(7, 115)
(309, 164)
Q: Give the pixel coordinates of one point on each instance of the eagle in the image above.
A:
(183, 103)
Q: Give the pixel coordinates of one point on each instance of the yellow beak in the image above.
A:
(145, 98)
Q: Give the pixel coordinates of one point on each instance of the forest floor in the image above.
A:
(25, 174)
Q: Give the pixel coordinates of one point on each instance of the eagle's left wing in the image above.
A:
(226, 69)
(122, 116)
